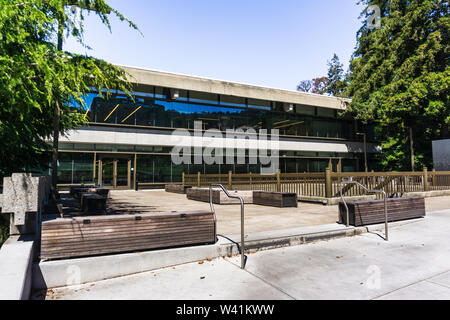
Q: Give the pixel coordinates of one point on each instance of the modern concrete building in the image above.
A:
(127, 141)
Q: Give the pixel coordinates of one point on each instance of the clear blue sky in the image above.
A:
(274, 43)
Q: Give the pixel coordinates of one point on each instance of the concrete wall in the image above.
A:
(16, 258)
(441, 155)
(144, 77)
(149, 137)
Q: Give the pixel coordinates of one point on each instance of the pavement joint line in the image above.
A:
(410, 285)
(439, 284)
(263, 280)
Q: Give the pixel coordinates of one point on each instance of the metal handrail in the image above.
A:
(242, 217)
(367, 190)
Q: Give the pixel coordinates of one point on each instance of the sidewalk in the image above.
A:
(414, 264)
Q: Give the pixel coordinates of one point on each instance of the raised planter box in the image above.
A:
(362, 213)
(90, 236)
(218, 196)
(275, 199)
(177, 188)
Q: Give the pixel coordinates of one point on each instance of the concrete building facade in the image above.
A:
(128, 141)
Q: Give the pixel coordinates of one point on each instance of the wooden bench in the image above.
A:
(218, 196)
(177, 188)
(91, 203)
(79, 237)
(362, 213)
(275, 199)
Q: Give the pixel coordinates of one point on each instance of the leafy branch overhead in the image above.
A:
(34, 74)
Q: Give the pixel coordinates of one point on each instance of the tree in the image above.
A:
(320, 85)
(336, 84)
(305, 86)
(37, 80)
(400, 77)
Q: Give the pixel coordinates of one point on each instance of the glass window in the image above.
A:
(232, 101)
(160, 93)
(259, 104)
(326, 113)
(307, 110)
(76, 168)
(66, 146)
(202, 97)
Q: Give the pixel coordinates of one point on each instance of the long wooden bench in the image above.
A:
(275, 199)
(87, 236)
(218, 196)
(177, 188)
(362, 213)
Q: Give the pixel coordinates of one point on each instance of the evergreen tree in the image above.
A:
(336, 84)
(400, 77)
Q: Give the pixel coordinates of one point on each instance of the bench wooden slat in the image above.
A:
(275, 199)
(362, 213)
(85, 236)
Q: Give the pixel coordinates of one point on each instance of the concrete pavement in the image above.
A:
(414, 264)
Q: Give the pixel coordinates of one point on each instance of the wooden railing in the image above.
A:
(327, 184)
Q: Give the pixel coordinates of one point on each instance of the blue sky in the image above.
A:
(263, 42)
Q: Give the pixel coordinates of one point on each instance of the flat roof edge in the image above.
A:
(143, 76)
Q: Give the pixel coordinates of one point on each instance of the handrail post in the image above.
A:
(367, 190)
(182, 179)
(198, 179)
(242, 217)
(230, 180)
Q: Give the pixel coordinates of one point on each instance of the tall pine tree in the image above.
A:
(400, 77)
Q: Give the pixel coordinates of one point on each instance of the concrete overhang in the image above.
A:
(145, 77)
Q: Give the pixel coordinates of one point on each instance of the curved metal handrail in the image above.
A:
(367, 190)
(242, 217)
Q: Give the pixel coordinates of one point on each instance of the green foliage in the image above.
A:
(34, 74)
(336, 84)
(400, 77)
(4, 228)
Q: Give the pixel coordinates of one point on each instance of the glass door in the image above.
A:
(123, 173)
(115, 172)
(107, 172)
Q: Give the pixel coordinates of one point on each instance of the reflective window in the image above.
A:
(232, 101)
(169, 113)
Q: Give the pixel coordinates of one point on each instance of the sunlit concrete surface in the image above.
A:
(414, 264)
(257, 218)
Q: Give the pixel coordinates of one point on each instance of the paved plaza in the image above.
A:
(414, 264)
